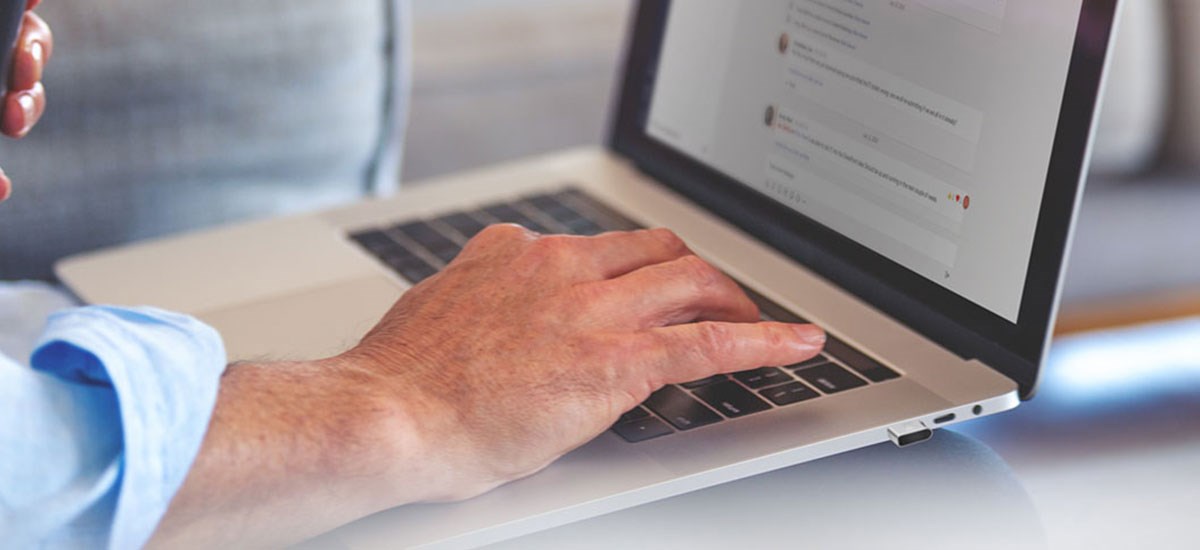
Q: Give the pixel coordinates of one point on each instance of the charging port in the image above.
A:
(909, 434)
(944, 418)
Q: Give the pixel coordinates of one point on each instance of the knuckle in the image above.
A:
(714, 342)
(502, 232)
(772, 337)
(588, 295)
(623, 367)
(554, 249)
(668, 238)
(701, 273)
(492, 233)
(597, 349)
(554, 243)
(649, 355)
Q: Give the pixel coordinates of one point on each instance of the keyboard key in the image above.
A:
(704, 382)
(546, 203)
(508, 214)
(634, 414)
(607, 216)
(642, 429)
(789, 393)
(574, 222)
(431, 239)
(864, 365)
(818, 360)
(731, 399)
(416, 273)
(463, 223)
(399, 256)
(540, 216)
(376, 242)
(410, 267)
(401, 260)
(761, 378)
(583, 226)
(424, 234)
(871, 369)
(680, 409)
(552, 207)
(771, 310)
(446, 255)
(830, 378)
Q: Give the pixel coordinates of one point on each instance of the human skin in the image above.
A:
(522, 349)
(24, 100)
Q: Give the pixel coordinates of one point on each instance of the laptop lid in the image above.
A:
(925, 155)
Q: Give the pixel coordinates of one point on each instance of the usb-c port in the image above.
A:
(944, 418)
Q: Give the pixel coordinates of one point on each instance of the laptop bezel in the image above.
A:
(956, 323)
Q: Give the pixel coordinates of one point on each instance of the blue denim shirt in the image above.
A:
(99, 428)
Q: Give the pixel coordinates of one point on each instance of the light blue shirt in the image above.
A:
(99, 428)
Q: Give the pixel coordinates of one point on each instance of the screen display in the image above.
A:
(921, 129)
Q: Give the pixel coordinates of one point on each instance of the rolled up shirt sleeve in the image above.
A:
(97, 437)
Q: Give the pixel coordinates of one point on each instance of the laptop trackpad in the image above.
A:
(312, 324)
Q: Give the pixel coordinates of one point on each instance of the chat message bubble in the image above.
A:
(872, 172)
(932, 123)
(811, 163)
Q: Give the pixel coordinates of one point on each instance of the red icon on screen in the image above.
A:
(966, 202)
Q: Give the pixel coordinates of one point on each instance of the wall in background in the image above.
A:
(496, 80)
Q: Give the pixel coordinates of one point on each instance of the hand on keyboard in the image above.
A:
(527, 346)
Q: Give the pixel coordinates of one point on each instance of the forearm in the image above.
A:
(293, 450)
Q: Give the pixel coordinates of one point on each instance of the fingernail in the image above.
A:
(27, 111)
(811, 335)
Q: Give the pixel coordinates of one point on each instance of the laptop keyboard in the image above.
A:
(416, 250)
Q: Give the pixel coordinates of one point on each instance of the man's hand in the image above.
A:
(528, 346)
(24, 98)
(524, 348)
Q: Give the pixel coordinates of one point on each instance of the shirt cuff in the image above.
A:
(165, 369)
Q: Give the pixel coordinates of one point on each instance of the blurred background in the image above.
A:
(183, 116)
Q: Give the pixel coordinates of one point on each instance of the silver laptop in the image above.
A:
(903, 173)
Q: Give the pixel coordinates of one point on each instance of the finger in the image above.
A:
(5, 186)
(699, 350)
(22, 110)
(33, 49)
(679, 291)
(617, 253)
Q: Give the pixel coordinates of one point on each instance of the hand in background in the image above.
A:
(24, 97)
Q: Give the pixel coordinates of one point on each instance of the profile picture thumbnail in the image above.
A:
(769, 116)
(785, 42)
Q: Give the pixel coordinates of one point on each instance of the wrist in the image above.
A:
(413, 448)
(317, 438)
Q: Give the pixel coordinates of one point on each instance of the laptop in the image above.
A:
(904, 174)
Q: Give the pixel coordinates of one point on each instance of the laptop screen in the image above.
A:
(920, 129)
